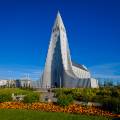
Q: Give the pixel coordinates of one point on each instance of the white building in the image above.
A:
(59, 69)
(3, 82)
(16, 83)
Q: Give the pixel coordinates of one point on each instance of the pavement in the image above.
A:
(47, 96)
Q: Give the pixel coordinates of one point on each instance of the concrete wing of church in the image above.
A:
(59, 70)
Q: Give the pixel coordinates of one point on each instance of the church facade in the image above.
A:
(60, 70)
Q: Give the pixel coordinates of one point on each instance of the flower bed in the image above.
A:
(73, 108)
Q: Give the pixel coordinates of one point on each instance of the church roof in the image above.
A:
(79, 66)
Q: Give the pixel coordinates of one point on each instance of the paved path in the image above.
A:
(45, 95)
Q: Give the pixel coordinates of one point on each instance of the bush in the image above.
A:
(30, 98)
(64, 100)
(77, 96)
(111, 104)
(108, 97)
(116, 104)
(58, 93)
(5, 97)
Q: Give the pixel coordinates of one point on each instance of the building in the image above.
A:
(3, 83)
(23, 83)
(60, 70)
(36, 84)
(16, 83)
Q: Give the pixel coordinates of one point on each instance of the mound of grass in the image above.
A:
(6, 94)
(30, 98)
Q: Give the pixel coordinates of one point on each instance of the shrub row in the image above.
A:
(109, 97)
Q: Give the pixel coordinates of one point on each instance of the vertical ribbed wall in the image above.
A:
(58, 69)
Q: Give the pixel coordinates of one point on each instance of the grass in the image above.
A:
(11, 114)
(13, 90)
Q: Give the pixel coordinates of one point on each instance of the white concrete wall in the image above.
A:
(80, 73)
(94, 83)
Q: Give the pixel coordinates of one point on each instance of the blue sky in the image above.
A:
(93, 29)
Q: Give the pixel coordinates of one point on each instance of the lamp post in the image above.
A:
(60, 81)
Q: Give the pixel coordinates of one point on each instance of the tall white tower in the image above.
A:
(59, 70)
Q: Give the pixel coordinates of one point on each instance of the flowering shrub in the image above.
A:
(73, 108)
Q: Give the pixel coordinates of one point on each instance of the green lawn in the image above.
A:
(13, 90)
(10, 114)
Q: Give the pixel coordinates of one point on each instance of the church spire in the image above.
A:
(58, 15)
(58, 21)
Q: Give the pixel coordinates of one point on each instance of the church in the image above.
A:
(60, 71)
